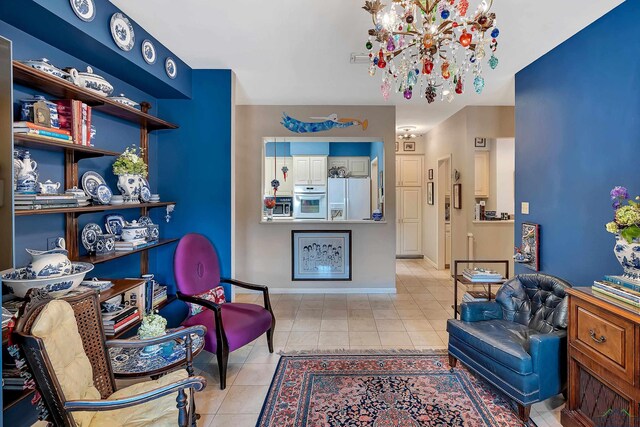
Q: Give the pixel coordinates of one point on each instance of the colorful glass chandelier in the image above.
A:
(431, 46)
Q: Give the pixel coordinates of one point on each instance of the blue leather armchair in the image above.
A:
(517, 342)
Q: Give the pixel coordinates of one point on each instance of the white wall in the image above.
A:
(505, 168)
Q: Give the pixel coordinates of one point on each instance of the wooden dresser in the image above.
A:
(604, 364)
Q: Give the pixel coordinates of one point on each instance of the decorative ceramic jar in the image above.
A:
(89, 80)
(51, 263)
(153, 233)
(628, 255)
(48, 187)
(26, 110)
(133, 231)
(105, 244)
(45, 66)
(129, 186)
(27, 175)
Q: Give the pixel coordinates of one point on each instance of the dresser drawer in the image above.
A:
(604, 336)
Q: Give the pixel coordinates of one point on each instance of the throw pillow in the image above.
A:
(215, 295)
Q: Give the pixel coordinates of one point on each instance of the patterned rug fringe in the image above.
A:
(365, 352)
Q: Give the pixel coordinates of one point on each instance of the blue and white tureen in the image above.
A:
(45, 66)
(91, 81)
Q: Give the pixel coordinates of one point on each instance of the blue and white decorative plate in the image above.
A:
(149, 52)
(84, 9)
(114, 224)
(103, 194)
(122, 32)
(90, 182)
(171, 68)
(145, 194)
(89, 236)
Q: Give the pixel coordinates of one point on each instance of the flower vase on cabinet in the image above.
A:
(628, 255)
(626, 227)
(129, 186)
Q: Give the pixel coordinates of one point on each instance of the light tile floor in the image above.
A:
(414, 318)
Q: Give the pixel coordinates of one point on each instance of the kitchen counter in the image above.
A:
(318, 221)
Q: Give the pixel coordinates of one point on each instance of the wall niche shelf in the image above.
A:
(59, 88)
(89, 209)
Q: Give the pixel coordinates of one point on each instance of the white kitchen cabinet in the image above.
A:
(409, 171)
(274, 169)
(409, 213)
(309, 170)
(357, 166)
(482, 174)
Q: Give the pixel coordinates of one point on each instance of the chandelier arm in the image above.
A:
(422, 8)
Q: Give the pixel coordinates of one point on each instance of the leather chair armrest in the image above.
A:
(481, 310)
(549, 355)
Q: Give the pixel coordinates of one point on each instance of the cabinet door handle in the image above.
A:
(600, 340)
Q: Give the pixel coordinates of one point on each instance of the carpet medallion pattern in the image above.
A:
(381, 390)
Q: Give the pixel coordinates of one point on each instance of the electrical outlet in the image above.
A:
(524, 208)
(52, 243)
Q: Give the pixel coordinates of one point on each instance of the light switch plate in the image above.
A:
(524, 209)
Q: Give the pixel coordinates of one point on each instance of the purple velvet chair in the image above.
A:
(230, 325)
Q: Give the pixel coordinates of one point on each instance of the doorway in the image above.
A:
(443, 206)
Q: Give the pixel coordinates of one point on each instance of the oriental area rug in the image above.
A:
(396, 389)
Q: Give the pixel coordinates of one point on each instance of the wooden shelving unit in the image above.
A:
(81, 151)
(99, 259)
(62, 89)
(89, 209)
(459, 278)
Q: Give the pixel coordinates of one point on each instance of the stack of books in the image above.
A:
(75, 117)
(12, 379)
(482, 275)
(619, 288)
(43, 132)
(25, 202)
(474, 296)
(117, 321)
(122, 246)
(159, 294)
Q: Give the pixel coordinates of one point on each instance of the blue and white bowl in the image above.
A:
(17, 279)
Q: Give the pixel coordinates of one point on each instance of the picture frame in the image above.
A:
(311, 258)
(430, 191)
(480, 143)
(409, 146)
(41, 114)
(431, 174)
(530, 246)
(457, 196)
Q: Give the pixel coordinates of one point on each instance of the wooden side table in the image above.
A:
(604, 362)
(459, 278)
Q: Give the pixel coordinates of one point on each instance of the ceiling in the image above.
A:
(292, 52)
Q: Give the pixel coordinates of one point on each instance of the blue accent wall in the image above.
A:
(577, 136)
(349, 149)
(194, 164)
(377, 152)
(281, 149)
(309, 149)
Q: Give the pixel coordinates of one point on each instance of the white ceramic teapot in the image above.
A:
(48, 187)
(26, 176)
(51, 263)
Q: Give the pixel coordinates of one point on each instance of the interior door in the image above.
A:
(318, 170)
(301, 170)
(411, 211)
(398, 171)
(411, 171)
(399, 221)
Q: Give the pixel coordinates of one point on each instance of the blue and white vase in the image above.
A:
(628, 255)
(129, 186)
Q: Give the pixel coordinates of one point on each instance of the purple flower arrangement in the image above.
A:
(626, 221)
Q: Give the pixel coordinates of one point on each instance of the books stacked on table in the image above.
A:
(131, 245)
(474, 296)
(619, 288)
(43, 132)
(159, 294)
(25, 202)
(481, 275)
(117, 321)
(75, 117)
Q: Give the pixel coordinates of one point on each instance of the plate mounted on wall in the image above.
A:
(84, 9)
(122, 32)
(149, 52)
(171, 68)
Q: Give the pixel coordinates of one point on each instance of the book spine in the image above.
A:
(127, 320)
(121, 316)
(617, 291)
(616, 297)
(622, 283)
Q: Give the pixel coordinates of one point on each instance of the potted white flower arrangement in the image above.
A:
(626, 227)
(153, 325)
(130, 168)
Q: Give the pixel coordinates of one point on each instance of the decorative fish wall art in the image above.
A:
(326, 123)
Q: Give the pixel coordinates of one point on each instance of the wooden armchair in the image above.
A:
(64, 344)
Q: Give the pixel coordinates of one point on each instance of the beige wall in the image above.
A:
(455, 136)
(262, 252)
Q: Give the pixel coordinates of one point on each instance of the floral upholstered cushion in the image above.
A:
(215, 295)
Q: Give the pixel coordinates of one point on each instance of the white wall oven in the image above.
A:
(310, 202)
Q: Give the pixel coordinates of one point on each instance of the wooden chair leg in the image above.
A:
(270, 339)
(223, 356)
(452, 361)
(523, 412)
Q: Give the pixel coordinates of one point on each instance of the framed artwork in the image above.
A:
(321, 255)
(41, 114)
(530, 248)
(430, 186)
(397, 146)
(457, 196)
(431, 174)
(480, 143)
(409, 146)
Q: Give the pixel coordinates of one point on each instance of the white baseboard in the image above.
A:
(330, 291)
(435, 265)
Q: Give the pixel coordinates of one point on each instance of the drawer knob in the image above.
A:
(600, 340)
